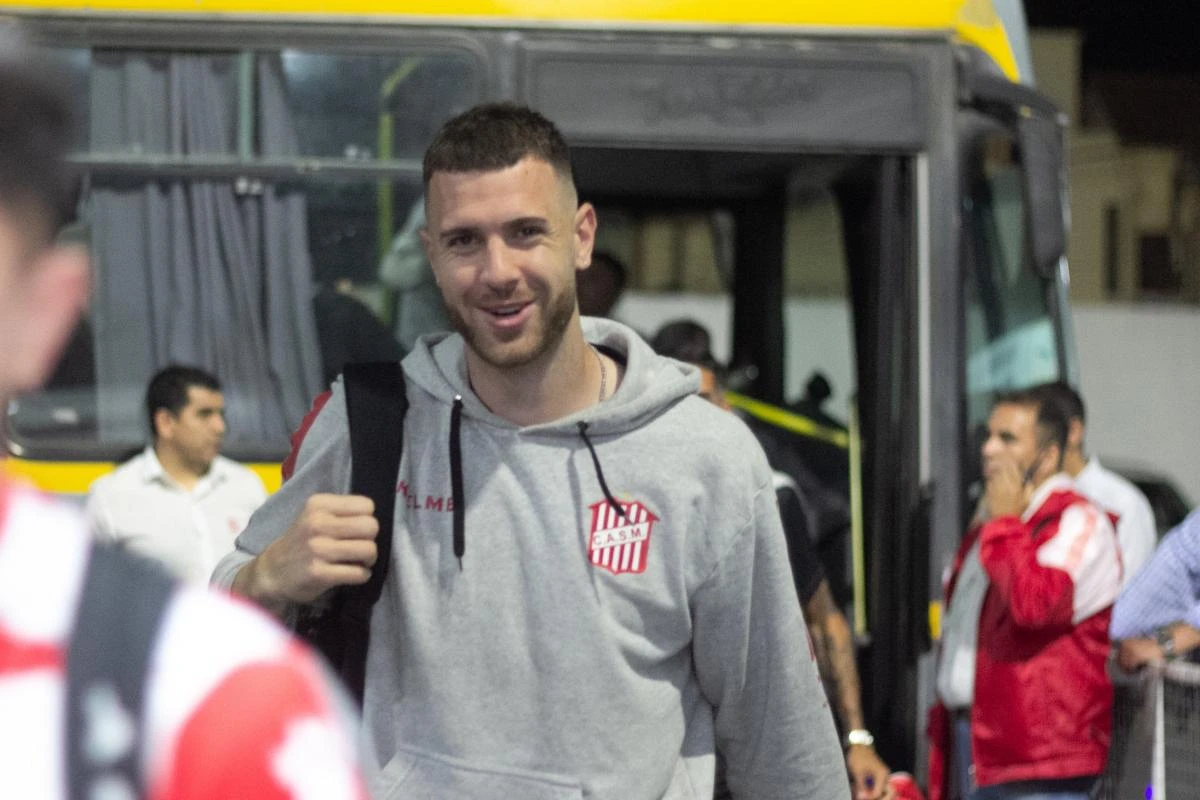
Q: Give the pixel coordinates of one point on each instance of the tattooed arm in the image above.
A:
(834, 647)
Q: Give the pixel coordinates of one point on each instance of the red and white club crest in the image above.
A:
(620, 544)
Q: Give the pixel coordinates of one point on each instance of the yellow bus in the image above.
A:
(868, 190)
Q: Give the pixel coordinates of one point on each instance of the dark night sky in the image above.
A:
(1128, 35)
(1141, 64)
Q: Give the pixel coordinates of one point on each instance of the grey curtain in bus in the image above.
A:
(197, 271)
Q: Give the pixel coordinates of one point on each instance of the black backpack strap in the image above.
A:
(376, 402)
(121, 608)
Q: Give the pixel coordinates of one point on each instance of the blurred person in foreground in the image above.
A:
(231, 706)
(179, 501)
(1025, 699)
(574, 606)
(1137, 531)
(1157, 616)
(828, 630)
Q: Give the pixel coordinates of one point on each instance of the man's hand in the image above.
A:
(331, 543)
(868, 773)
(1136, 653)
(1007, 492)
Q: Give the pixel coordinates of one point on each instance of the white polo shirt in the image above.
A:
(143, 509)
(1137, 532)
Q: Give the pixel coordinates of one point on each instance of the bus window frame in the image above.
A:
(235, 37)
(976, 127)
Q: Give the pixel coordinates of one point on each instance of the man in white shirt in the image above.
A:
(1137, 532)
(178, 502)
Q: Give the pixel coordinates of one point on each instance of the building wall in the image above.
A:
(1097, 192)
(1137, 359)
(1056, 67)
(1142, 386)
(1120, 195)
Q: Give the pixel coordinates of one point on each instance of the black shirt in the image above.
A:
(806, 566)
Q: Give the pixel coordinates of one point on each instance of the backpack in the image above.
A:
(338, 626)
(121, 608)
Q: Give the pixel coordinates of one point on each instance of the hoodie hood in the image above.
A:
(650, 382)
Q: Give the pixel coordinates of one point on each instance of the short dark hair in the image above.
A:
(169, 389)
(36, 184)
(1065, 396)
(1052, 417)
(689, 341)
(495, 136)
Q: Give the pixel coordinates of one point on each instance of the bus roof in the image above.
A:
(970, 21)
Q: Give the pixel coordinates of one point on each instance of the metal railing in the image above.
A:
(1155, 753)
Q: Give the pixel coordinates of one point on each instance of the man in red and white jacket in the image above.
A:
(227, 705)
(1022, 681)
(234, 707)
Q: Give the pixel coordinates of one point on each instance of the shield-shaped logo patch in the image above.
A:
(620, 544)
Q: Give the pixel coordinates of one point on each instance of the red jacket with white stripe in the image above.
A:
(234, 708)
(1043, 699)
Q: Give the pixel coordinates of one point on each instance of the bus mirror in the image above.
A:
(1041, 143)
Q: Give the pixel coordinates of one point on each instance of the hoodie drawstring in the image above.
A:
(456, 477)
(456, 480)
(612, 501)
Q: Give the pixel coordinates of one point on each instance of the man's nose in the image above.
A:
(500, 263)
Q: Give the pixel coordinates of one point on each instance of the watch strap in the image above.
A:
(1166, 642)
(860, 736)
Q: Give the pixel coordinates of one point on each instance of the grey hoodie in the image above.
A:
(573, 652)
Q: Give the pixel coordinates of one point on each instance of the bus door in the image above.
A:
(768, 191)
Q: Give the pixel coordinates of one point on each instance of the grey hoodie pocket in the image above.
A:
(417, 775)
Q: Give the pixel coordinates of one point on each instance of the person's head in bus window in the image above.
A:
(506, 234)
(43, 287)
(186, 412)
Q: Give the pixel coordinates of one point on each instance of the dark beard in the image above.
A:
(557, 318)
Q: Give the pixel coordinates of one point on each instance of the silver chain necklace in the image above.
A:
(603, 374)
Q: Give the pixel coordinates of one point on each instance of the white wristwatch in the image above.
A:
(860, 736)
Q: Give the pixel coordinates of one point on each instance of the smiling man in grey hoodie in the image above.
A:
(615, 603)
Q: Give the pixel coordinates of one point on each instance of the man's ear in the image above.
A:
(1053, 458)
(58, 283)
(426, 243)
(1075, 434)
(585, 235)
(163, 420)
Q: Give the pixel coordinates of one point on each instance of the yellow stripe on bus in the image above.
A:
(789, 420)
(973, 21)
(74, 477)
